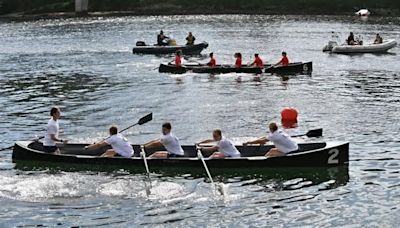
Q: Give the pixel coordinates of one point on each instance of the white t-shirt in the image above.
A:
(120, 145)
(283, 142)
(226, 147)
(52, 129)
(171, 144)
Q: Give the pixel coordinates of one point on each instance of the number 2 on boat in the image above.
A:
(333, 156)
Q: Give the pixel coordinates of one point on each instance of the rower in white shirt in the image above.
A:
(169, 141)
(284, 144)
(117, 141)
(223, 148)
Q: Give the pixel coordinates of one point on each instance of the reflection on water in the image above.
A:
(85, 66)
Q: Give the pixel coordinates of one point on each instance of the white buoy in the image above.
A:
(363, 13)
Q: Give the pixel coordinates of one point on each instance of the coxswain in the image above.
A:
(212, 62)
(161, 39)
(51, 136)
(284, 60)
(223, 148)
(190, 39)
(257, 61)
(119, 144)
(283, 143)
(378, 39)
(169, 141)
(238, 62)
(178, 58)
(350, 40)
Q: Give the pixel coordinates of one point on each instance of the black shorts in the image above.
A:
(175, 156)
(50, 149)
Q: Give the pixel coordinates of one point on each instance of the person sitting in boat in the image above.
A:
(282, 141)
(212, 62)
(178, 58)
(284, 60)
(169, 141)
(378, 39)
(238, 62)
(223, 148)
(118, 143)
(350, 40)
(257, 61)
(190, 39)
(52, 130)
(162, 40)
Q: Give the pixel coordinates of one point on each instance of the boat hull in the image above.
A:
(220, 69)
(72, 155)
(195, 49)
(292, 68)
(370, 48)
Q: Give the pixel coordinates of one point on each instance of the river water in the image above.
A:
(85, 66)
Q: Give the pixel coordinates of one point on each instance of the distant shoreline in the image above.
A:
(21, 16)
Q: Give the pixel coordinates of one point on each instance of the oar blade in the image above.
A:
(145, 119)
(314, 133)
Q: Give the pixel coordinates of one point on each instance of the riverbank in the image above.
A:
(45, 9)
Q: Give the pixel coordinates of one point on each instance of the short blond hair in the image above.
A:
(218, 132)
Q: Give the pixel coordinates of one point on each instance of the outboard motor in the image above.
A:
(140, 43)
(330, 46)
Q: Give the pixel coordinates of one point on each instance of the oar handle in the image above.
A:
(199, 154)
(142, 151)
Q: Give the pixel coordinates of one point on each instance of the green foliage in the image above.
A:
(208, 6)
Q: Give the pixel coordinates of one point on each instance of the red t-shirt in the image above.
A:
(212, 63)
(178, 61)
(258, 62)
(238, 62)
(285, 61)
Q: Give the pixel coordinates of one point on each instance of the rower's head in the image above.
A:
(178, 53)
(166, 128)
(113, 130)
(211, 54)
(217, 134)
(190, 34)
(351, 33)
(256, 55)
(283, 53)
(55, 113)
(239, 55)
(161, 32)
(273, 127)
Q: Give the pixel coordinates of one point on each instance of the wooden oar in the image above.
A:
(143, 154)
(141, 121)
(311, 133)
(35, 139)
(200, 156)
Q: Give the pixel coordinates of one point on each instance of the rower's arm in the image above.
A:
(206, 141)
(96, 145)
(54, 138)
(209, 149)
(261, 140)
(152, 144)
